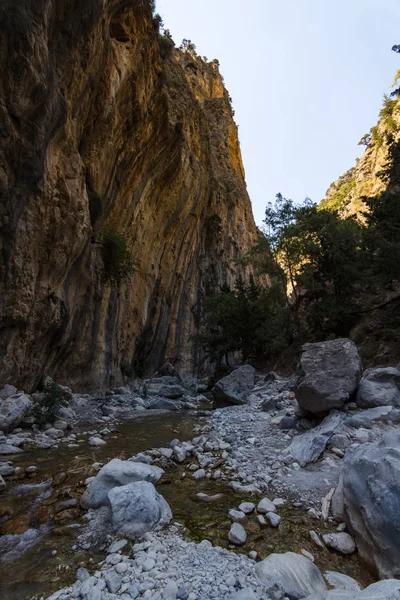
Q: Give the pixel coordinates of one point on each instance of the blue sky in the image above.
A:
(307, 79)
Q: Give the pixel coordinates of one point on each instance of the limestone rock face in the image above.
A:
(329, 375)
(99, 130)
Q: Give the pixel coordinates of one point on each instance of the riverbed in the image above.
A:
(37, 550)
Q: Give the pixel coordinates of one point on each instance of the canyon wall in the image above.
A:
(103, 125)
(376, 171)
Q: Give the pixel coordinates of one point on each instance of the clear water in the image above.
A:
(30, 532)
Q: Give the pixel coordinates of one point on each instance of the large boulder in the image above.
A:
(329, 375)
(292, 574)
(117, 473)
(368, 498)
(379, 387)
(236, 387)
(166, 386)
(382, 590)
(137, 508)
(12, 410)
(309, 446)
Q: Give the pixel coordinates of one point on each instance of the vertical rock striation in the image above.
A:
(99, 128)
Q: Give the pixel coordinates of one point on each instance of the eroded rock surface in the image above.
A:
(236, 387)
(101, 130)
(368, 497)
(329, 375)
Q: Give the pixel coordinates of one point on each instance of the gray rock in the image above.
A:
(117, 546)
(368, 499)
(6, 470)
(340, 440)
(329, 375)
(113, 581)
(199, 474)
(137, 508)
(245, 594)
(82, 574)
(265, 506)
(7, 391)
(236, 515)
(12, 410)
(273, 519)
(367, 417)
(309, 446)
(340, 581)
(236, 387)
(382, 590)
(247, 507)
(288, 423)
(166, 391)
(190, 384)
(341, 542)
(237, 534)
(91, 589)
(295, 575)
(117, 473)
(379, 387)
(97, 441)
(9, 449)
(179, 454)
(2, 484)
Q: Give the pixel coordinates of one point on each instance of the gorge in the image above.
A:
(131, 467)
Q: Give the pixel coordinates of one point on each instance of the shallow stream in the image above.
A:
(37, 529)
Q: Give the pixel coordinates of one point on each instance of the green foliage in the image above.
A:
(337, 200)
(158, 22)
(117, 262)
(152, 5)
(330, 268)
(188, 46)
(317, 251)
(249, 320)
(166, 44)
(46, 410)
(382, 237)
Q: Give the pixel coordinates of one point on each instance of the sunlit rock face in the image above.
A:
(99, 129)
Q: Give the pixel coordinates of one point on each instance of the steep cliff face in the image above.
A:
(98, 130)
(376, 171)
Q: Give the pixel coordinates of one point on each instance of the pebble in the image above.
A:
(273, 519)
(247, 507)
(199, 474)
(315, 538)
(236, 515)
(237, 534)
(265, 505)
(97, 441)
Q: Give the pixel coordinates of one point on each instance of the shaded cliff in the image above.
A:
(98, 128)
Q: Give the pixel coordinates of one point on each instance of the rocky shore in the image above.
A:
(274, 455)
